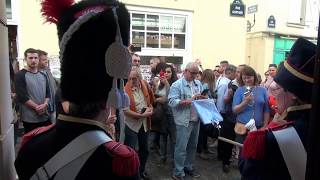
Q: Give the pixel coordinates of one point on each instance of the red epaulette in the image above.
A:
(125, 160)
(27, 137)
(254, 144)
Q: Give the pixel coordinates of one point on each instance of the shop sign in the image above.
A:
(252, 9)
(237, 8)
(271, 22)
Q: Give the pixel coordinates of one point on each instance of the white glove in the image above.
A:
(251, 125)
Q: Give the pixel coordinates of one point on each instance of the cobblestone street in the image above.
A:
(209, 169)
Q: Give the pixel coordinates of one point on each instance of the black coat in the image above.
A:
(273, 166)
(37, 151)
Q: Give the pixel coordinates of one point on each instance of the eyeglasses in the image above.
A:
(136, 60)
(133, 78)
(193, 72)
(168, 72)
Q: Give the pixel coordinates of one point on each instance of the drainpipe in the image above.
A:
(303, 12)
(7, 153)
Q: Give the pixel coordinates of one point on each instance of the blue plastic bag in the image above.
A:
(207, 111)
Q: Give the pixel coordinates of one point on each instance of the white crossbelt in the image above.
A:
(292, 151)
(68, 161)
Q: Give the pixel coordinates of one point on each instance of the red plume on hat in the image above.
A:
(52, 9)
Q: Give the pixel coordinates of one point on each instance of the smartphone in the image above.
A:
(162, 74)
(205, 92)
(248, 90)
(143, 110)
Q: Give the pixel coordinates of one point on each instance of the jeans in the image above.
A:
(132, 138)
(171, 131)
(186, 146)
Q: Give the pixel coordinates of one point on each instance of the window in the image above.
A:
(8, 9)
(158, 30)
(297, 11)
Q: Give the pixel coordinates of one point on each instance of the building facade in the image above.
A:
(275, 27)
(181, 31)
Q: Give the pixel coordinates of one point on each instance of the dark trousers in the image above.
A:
(170, 131)
(31, 126)
(203, 139)
(206, 130)
(132, 138)
(224, 148)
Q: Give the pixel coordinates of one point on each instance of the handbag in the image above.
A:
(158, 117)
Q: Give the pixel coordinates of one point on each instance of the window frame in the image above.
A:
(160, 31)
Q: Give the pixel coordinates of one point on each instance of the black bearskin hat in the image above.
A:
(84, 78)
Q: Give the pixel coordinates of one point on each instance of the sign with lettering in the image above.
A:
(271, 22)
(237, 8)
(252, 9)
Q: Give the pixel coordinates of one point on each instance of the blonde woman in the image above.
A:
(208, 83)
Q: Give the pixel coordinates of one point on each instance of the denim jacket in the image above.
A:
(181, 90)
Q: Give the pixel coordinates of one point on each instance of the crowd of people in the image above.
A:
(141, 115)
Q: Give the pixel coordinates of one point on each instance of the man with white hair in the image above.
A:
(182, 93)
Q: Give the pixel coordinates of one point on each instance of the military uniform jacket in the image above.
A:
(269, 163)
(111, 160)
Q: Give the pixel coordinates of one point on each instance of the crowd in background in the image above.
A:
(160, 110)
(241, 96)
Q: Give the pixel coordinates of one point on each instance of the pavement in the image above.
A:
(209, 169)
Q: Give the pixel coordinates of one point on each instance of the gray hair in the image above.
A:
(231, 68)
(137, 70)
(191, 65)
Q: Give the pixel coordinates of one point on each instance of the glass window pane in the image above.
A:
(8, 9)
(153, 22)
(138, 21)
(179, 41)
(180, 24)
(138, 38)
(166, 23)
(166, 40)
(152, 40)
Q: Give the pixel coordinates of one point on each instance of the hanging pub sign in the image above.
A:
(237, 8)
(271, 22)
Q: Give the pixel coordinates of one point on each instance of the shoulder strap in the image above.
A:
(85, 143)
(292, 151)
